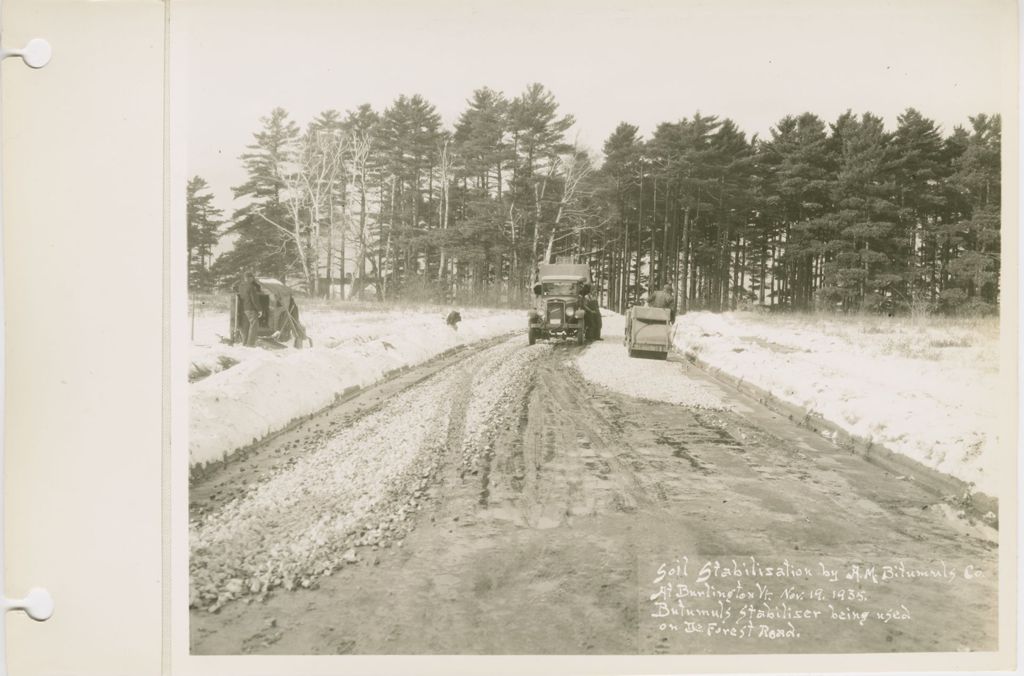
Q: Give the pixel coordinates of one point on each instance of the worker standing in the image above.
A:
(664, 298)
(248, 294)
(592, 313)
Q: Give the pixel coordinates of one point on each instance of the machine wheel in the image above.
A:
(533, 336)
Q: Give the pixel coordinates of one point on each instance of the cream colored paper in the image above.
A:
(93, 187)
(83, 161)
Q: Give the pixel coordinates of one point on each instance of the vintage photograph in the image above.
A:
(662, 328)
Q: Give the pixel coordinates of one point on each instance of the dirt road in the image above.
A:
(499, 503)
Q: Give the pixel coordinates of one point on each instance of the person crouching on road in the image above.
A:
(453, 320)
(248, 293)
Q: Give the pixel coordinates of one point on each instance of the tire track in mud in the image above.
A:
(550, 495)
(355, 488)
(498, 392)
(562, 460)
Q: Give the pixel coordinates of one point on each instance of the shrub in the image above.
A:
(950, 300)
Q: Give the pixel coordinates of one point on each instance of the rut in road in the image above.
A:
(551, 499)
(357, 488)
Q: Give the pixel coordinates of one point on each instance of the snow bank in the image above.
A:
(326, 326)
(925, 391)
(266, 390)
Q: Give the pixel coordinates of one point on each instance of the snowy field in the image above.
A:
(924, 388)
(240, 395)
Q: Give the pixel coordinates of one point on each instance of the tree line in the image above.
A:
(846, 215)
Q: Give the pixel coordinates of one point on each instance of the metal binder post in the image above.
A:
(38, 604)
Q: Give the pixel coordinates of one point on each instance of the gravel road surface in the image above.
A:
(500, 502)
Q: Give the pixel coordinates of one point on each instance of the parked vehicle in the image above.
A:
(648, 331)
(558, 312)
(279, 317)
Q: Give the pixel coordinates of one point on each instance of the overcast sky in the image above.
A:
(606, 61)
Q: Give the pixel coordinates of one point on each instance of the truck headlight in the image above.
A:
(580, 314)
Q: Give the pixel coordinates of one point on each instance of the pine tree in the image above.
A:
(729, 165)
(694, 173)
(800, 174)
(261, 245)
(204, 221)
(852, 217)
(480, 141)
(538, 138)
(620, 176)
(974, 270)
(865, 273)
(480, 158)
(409, 132)
(920, 171)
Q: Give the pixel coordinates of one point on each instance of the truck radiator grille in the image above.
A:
(556, 312)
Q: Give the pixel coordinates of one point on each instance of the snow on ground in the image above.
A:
(607, 363)
(327, 326)
(253, 392)
(924, 389)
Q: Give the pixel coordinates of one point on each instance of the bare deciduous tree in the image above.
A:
(311, 174)
(360, 146)
(574, 168)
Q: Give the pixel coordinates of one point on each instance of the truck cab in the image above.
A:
(557, 311)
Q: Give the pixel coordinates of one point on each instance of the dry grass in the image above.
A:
(197, 372)
(927, 337)
(963, 341)
(960, 331)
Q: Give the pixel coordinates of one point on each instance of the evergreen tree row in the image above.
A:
(845, 215)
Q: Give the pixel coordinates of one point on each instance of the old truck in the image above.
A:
(557, 312)
(648, 331)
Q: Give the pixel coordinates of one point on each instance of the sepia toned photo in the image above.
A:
(625, 329)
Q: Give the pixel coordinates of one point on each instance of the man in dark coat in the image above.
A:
(592, 318)
(248, 294)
